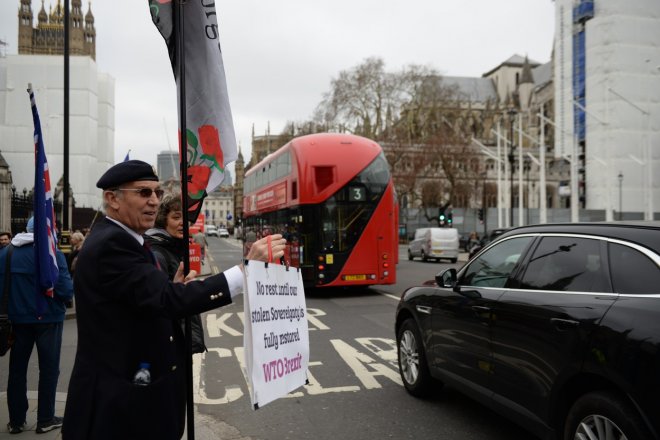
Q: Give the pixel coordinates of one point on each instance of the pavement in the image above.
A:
(60, 400)
(206, 428)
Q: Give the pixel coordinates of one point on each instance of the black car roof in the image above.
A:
(644, 233)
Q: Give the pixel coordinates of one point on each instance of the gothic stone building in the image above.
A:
(48, 37)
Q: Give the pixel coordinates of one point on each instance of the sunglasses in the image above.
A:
(144, 192)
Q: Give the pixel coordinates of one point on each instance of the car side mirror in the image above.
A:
(447, 278)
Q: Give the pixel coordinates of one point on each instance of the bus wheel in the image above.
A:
(410, 256)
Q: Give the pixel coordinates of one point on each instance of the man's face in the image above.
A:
(4, 240)
(132, 208)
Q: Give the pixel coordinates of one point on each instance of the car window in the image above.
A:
(493, 267)
(566, 264)
(632, 271)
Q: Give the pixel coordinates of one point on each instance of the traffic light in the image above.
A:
(442, 217)
(481, 214)
(450, 218)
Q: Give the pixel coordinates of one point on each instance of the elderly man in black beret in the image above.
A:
(127, 312)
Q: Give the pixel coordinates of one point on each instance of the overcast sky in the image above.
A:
(281, 56)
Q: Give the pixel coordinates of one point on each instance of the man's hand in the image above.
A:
(179, 278)
(267, 248)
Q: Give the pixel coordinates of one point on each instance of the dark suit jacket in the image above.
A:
(127, 313)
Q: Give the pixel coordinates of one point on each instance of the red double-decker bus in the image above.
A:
(332, 197)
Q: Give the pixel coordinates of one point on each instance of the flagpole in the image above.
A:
(183, 146)
(45, 230)
(65, 153)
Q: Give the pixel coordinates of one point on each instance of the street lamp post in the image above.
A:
(620, 195)
(528, 167)
(484, 202)
(512, 118)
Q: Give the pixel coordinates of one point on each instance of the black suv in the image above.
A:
(554, 326)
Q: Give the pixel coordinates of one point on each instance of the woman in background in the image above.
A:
(166, 242)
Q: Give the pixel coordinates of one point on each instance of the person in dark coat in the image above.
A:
(166, 241)
(128, 313)
(37, 320)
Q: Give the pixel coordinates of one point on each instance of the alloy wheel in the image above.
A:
(409, 357)
(597, 427)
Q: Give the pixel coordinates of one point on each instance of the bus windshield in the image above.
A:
(343, 217)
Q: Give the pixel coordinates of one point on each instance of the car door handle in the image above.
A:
(424, 309)
(481, 309)
(564, 324)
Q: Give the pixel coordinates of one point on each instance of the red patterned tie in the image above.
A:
(154, 260)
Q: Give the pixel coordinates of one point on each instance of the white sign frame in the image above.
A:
(276, 337)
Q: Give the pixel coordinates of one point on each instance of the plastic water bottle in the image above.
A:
(142, 375)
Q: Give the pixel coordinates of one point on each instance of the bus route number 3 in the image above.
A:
(358, 194)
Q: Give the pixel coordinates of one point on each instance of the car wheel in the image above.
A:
(410, 256)
(453, 260)
(412, 360)
(603, 416)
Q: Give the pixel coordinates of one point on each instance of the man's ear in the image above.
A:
(111, 199)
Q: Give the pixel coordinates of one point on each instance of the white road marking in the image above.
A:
(389, 295)
(365, 368)
(215, 323)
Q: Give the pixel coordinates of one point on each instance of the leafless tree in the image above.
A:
(423, 124)
(434, 124)
(361, 99)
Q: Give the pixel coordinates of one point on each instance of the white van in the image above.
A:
(434, 243)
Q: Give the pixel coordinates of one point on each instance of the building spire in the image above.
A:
(89, 17)
(43, 16)
(240, 153)
(526, 76)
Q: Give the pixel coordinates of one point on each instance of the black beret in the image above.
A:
(124, 172)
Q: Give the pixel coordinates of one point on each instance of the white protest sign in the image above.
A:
(276, 338)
